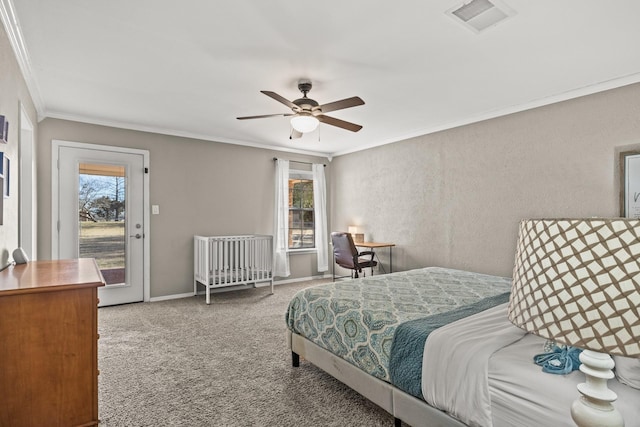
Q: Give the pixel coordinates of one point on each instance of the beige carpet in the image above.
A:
(183, 363)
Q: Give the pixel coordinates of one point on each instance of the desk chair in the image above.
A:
(347, 256)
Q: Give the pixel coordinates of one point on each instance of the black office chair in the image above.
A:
(347, 256)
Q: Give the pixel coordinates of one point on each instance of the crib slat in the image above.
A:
(232, 260)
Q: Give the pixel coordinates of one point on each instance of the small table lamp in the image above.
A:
(577, 282)
(355, 234)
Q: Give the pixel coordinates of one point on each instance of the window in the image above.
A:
(301, 215)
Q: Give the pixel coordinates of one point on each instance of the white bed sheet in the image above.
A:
(460, 385)
(524, 396)
(481, 371)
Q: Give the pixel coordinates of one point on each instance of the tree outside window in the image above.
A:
(301, 215)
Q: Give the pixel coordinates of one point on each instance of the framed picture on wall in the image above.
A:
(7, 175)
(630, 184)
(2, 156)
(4, 130)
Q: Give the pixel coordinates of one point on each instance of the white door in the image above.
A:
(101, 214)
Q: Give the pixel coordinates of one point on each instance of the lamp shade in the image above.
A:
(356, 234)
(304, 123)
(577, 281)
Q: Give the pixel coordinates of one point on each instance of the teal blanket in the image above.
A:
(405, 363)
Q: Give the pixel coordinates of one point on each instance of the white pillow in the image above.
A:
(628, 371)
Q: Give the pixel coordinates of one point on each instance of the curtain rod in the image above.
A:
(295, 161)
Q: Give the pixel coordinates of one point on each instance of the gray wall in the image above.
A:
(451, 199)
(454, 198)
(13, 93)
(202, 187)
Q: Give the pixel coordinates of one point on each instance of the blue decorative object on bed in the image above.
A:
(560, 360)
(405, 366)
(357, 319)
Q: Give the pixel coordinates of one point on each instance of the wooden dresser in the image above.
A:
(48, 343)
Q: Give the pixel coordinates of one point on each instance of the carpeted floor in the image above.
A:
(183, 363)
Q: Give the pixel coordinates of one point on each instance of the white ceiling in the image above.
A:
(191, 67)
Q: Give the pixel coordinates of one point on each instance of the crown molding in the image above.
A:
(180, 134)
(12, 28)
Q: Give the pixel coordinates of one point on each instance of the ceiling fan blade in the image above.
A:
(344, 103)
(295, 134)
(281, 99)
(339, 123)
(264, 116)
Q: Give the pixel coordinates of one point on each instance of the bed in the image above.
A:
(434, 347)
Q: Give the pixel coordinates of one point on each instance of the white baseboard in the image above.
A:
(303, 279)
(168, 297)
(235, 288)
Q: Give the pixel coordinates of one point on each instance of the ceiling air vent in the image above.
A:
(478, 15)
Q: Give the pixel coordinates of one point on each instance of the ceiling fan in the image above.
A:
(307, 113)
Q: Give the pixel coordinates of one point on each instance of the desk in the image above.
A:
(374, 245)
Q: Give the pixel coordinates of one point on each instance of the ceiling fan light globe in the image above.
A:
(304, 124)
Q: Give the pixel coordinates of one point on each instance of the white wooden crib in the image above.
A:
(221, 261)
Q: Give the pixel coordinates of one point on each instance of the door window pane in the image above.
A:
(102, 218)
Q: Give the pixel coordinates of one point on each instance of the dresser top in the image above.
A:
(39, 276)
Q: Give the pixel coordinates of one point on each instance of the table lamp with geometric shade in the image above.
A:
(577, 282)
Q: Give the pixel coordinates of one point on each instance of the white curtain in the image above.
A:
(281, 228)
(320, 216)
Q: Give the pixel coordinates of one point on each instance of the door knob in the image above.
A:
(137, 236)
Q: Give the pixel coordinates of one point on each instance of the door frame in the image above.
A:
(27, 190)
(55, 145)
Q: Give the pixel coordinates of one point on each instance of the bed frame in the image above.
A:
(401, 405)
(221, 261)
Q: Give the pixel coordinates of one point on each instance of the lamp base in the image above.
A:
(584, 415)
(594, 408)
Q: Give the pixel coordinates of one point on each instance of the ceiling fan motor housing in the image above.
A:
(307, 104)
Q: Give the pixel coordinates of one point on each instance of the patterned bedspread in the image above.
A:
(356, 319)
